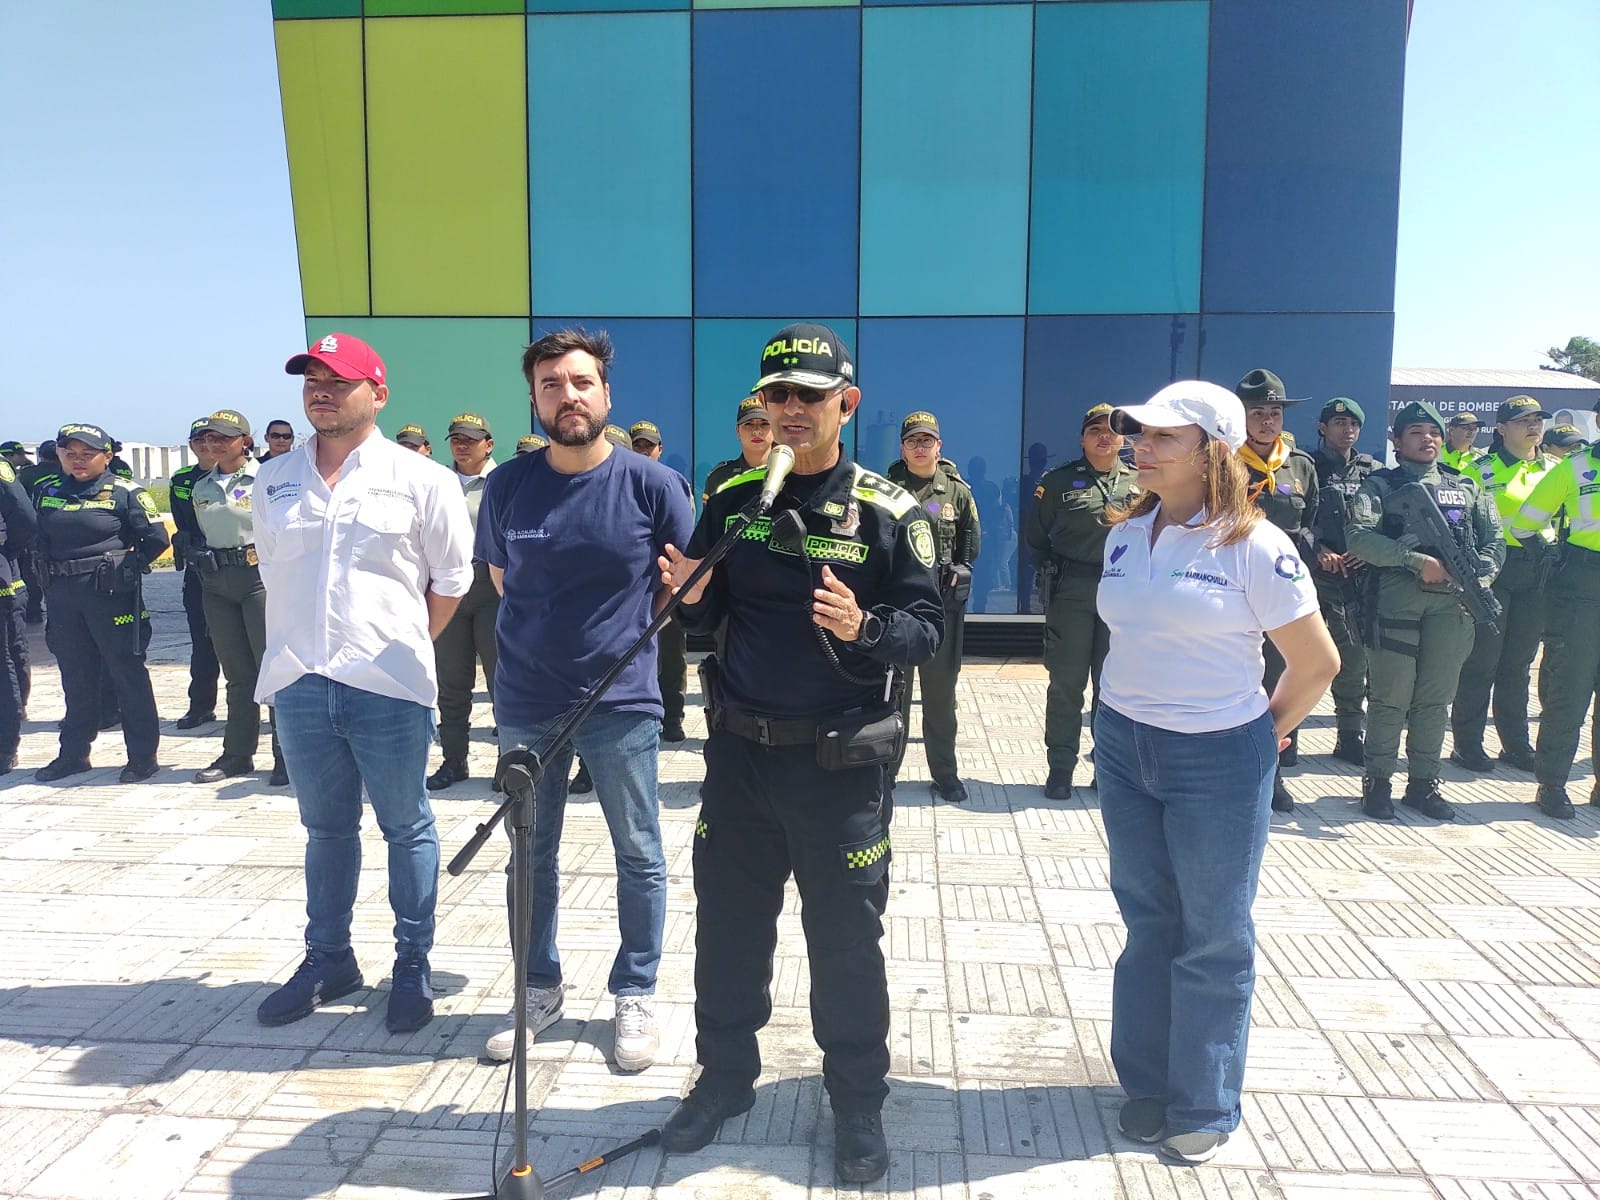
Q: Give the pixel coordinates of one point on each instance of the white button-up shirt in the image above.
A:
(347, 568)
(1187, 617)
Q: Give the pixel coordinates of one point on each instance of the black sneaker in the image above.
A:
(1143, 1120)
(1282, 802)
(672, 731)
(951, 790)
(1349, 747)
(138, 772)
(411, 996)
(225, 767)
(1520, 757)
(860, 1153)
(1424, 796)
(320, 979)
(1553, 801)
(193, 719)
(1059, 784)
(1472, 758)
(694, 1123)
(451, 770)
(582, 784)
(61, 768)
(1377, 799)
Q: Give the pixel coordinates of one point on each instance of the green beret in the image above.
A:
(1342, 406)
(1416, 413)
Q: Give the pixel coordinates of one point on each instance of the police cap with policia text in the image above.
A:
(919, 422)
(530, 442)
(644, 431)
(805, 355)
(750, 409)
(1100, 412)
(90, 435)
(224, 421)
(412, 435)
(470, 424)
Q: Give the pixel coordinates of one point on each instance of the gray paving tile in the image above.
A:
(1473, 1140)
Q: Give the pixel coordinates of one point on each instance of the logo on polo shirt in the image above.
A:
(1288, 566)
(1195, 576)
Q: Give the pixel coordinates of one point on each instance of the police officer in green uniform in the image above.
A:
(1500, 664)
(29, 477)
(1283, 484)
(1569, 672)
(529, 442)
(754, 432)
(1341, 469)
(1421, 631)
(672, 665)
(946, 498)
(1461, 438)
(97, 536)
(235, 598)
(1066, 531)
(414, 437)
(204, 669)
(468, 638)
(18, 527)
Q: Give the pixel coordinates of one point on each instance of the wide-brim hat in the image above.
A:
(1261, 387)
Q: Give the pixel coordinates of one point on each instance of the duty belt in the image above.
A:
(768, 731)
(1581, 558)
(235, 556)
(63, 568)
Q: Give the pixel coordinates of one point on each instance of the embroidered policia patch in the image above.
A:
(922, 543)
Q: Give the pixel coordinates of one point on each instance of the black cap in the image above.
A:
(470, 424)
(1563, 436)
(1520, 406)
(530, 442)
(920, 421)
(1460, 419)
(751, 408)
(805, 355)
(412, 435)
(90, 435)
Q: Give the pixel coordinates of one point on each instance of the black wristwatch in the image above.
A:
(871, 631)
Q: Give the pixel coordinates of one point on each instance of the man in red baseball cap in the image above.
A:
(346, 356)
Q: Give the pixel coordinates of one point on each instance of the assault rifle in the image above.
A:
(1419, 512)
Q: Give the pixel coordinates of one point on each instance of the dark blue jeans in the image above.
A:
(1186, 818)
(336, 739)
(620, 749)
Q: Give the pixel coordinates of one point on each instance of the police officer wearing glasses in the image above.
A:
(827, 603)
(98, 533)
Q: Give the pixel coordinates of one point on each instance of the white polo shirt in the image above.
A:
(347, 569)
(1186, 621)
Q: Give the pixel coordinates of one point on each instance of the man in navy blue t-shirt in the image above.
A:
(571, 537)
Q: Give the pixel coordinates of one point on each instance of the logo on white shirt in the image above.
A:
(1288, 566)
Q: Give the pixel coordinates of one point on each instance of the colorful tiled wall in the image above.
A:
(1012, 211)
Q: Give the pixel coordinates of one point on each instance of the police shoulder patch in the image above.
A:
(922, 541)
(145, 502)
(7, 474)
(871, 488)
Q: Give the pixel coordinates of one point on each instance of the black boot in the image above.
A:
(1520, 757)
(1282, 802)
(1472, 758)
(1348, 746)
(1553, 801)
(581, 783)
(451, 770)
(1059, 784)
(1377, 798)
(860, 1153)
(694, 1123)
(1424, 796)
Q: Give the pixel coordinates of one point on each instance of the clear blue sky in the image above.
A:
(147, 265)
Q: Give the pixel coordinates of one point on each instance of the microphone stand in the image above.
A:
(520, 769)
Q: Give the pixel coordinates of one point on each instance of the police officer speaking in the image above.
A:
(98, 534)
(1338, 574)
(826, 603)
(938, 487)
(1419, 633)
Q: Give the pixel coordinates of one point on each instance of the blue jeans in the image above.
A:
(1186, 818)
(336, 739)
(620, 750)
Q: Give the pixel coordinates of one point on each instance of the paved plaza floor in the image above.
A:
(1426, 1023)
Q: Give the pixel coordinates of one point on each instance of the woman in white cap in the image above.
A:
(1186, 746)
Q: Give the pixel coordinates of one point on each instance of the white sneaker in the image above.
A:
(544, 1010)
(637, 1041)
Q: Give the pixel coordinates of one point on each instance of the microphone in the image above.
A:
(780, 461)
